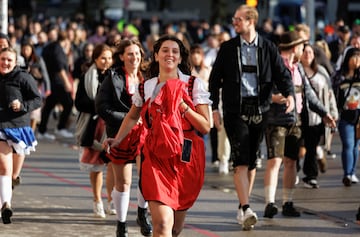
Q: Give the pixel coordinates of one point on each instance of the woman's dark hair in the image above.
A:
(196, 48)
(345, 64)
(99, 49)
(120, 49)
(33, 57)
(314, 64)
(184, 66)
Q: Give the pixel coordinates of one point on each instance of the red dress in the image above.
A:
(164, 177)
(129, 147)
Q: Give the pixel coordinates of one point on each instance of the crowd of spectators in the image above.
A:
(77, 37)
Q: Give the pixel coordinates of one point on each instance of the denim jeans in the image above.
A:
(350, 147)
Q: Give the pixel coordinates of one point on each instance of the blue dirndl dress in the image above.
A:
(22, 139)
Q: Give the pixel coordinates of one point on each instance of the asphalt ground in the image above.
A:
(55, 199)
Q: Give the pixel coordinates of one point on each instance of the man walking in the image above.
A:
(246, 68)
(56, 61)
(283, 132)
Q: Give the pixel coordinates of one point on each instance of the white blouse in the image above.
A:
(200, 93)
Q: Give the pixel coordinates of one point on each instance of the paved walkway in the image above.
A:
(55, 199)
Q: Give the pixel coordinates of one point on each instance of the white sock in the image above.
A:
(121, 202)
(5, 189)
(287, 194)
(140, 198)
(319, 152)
(270, 194)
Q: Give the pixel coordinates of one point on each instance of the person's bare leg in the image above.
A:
(162, 219)
(251, 177)
(18, 162)
(271, 178)
(110, 181)
(96, 180)
(289, 173)
(241, 182)
(270, 185)
(179, 223)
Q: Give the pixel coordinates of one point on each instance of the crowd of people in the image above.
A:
(144, 95)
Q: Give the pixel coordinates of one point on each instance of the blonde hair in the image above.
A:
(324, 46)
(303, 28)
(250, 13)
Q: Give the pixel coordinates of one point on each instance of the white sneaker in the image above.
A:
(354, 179)
(297, 180)
(99, 210)
(45, 135)
(215, 164)
(240, 216)
(110, 210)
(249, 220)
(64, 133)
(224, 167)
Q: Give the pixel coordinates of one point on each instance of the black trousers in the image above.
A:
(311, 135)
(57, 96)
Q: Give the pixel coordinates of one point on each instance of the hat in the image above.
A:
(290, 39)
(344, 29)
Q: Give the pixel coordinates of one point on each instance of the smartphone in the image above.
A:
(186, 151)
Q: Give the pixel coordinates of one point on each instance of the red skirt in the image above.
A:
(171, 181)
(89, 155)
(129, 147)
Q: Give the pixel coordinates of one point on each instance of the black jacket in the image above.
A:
(113, 102)
(226, 74)
(20, 85)
(82, 101)
(277, 116)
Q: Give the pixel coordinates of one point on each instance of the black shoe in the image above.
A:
(144, 222)
(310, 183)
(270, 210)
(288, 209)
(121, 229)
(6, 213)
(347, 181)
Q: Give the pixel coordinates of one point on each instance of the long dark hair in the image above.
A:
(184, 66)
(314, 64)
(345, 65)
(33, 58)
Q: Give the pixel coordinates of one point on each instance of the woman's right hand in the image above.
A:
(109, 143)
(278, 98)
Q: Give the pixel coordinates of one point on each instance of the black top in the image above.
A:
(20, 85)
(113, 101)
(226, 74)
(55, 60)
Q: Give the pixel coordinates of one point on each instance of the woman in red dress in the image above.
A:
(113, 102)
(174, 112)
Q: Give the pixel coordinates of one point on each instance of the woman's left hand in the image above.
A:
(15, 105)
